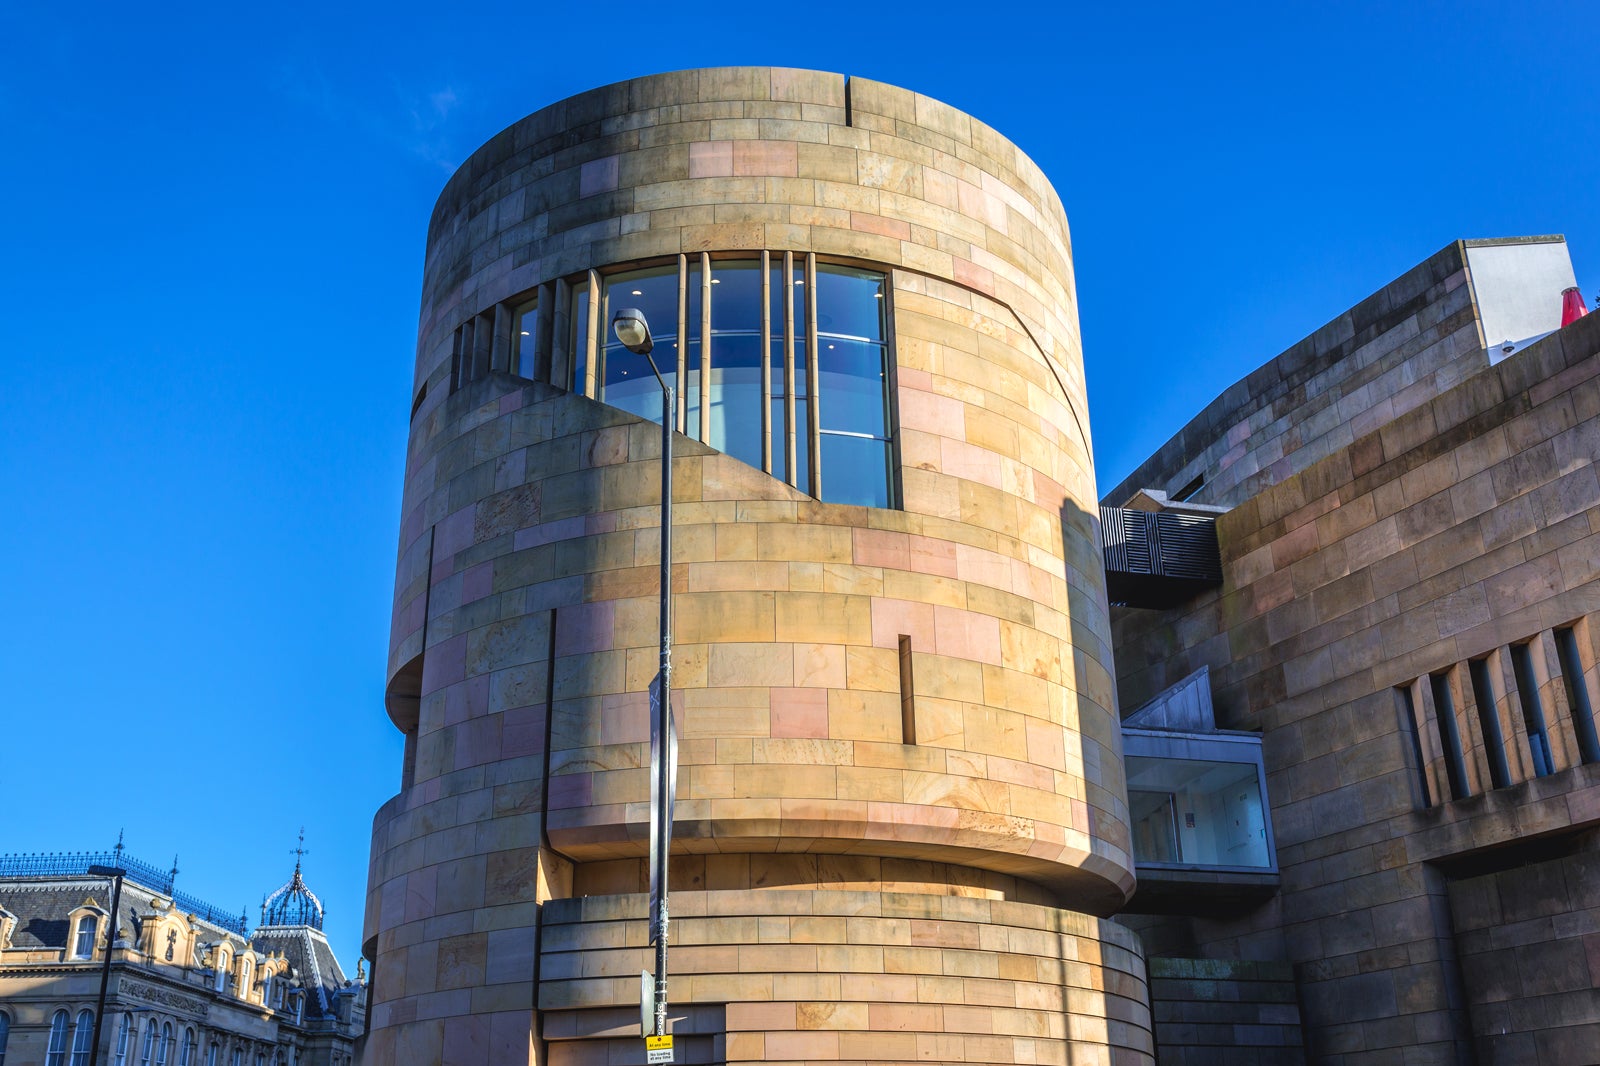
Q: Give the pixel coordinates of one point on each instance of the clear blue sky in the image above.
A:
(208, 294)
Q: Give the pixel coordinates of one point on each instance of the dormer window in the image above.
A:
(83, 945)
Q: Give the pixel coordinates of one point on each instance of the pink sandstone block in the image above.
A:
(891, 618)
(445, 664)
(880, 547)
(477, 582)
(585, 628)
(799, 712)
(597, 176)
(522, 732)
(776, 159)
(711, 159)
(454, 533)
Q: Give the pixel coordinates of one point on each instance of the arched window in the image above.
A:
(5, 1035)
(87, 927)
(266, 991)
(55, 1053)
(147, 1050)
(164, 1049)
(186, 1058)
(245, 969)
(123, 1029)
(82, 1037)
(211, 1054)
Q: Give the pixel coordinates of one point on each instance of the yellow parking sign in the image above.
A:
(657, 1049)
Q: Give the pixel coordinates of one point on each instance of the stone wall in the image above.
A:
(1529, 943)
(852, 976)
(1453, 532)
(1224, 1012)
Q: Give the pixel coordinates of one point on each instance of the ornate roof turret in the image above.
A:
(294, 903)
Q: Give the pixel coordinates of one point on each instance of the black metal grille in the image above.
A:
(76, 864)
(1158, 558)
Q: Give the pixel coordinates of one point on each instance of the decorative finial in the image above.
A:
(300, 850)
(173, 873)
(119, 848)
(263, 910)
(361, 969)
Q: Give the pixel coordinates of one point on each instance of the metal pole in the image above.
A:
(664, 712)
(105, 966)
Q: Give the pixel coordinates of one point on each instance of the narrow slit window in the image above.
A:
(1449, 736)
(1532, 711)
(1577, 694)
(908, 698)
(525, 339)
(1494, 740)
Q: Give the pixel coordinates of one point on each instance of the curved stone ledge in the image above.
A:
(858, 976)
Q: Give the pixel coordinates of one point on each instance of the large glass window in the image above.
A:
(147, 1051)
(122, 1040)
(82, 1037)
(5, 1035)
(625, 380)
(55, 1052)
(852, 386)
(762, 402)
(190, 1045)
(1195, 801)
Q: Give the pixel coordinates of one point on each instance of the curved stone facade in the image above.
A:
(809, 636)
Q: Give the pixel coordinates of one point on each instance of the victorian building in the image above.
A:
(189, 985)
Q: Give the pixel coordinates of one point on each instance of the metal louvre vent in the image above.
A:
(1158, 558)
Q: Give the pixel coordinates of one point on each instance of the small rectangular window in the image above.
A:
(1532, 710)
(1494, 740)
(1449, 736)
(1577, 694)
(1408, 722)
(908, 697)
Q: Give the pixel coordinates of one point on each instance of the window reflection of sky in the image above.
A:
(852, 357)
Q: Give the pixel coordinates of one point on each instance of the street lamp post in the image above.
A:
(633, 331)
(116, 873)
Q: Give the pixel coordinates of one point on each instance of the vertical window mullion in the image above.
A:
(813, 379)
(790, 464)
(591, 335)
(766, 361)
(683, 343)
(705, 347)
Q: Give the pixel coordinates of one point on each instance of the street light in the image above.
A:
(116, 873)
(633, 331)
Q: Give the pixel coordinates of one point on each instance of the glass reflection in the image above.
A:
(850, 383)
(526, 318)
(1196, 812)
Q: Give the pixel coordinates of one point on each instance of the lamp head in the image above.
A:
(632, 330)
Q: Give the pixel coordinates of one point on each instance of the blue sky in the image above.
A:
(209, 289)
